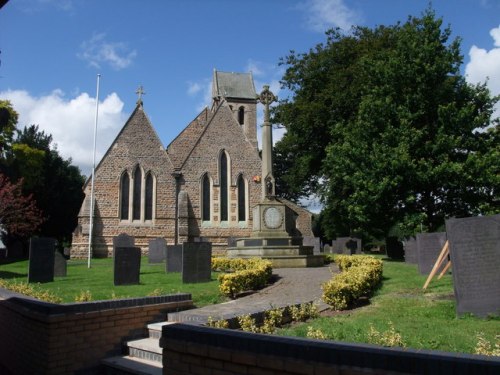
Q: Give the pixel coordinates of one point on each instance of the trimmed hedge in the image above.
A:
(360, 275)
(242, 274)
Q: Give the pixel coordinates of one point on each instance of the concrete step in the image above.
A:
(148, 349)
(122, 365)
(155, 329)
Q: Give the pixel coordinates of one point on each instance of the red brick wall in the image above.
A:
(43, 338)
(191, 349)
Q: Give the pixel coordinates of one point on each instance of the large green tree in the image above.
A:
(53, 181)
(383, 127)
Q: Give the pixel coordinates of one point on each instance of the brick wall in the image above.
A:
(44, 338)
(189, 349)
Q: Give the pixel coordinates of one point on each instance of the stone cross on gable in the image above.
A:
(266, 97)
(140, 92)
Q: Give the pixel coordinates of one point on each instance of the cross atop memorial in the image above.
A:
(140, 92)
(266, 97)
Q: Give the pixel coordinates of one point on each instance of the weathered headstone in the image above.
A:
(174, 258)
(123, 240)
(315, 242)
(429, 246)
(475, 257)
(157, 250)
(127, 265)
(327, 249)
(196, 262)
(60, 265)
(410, 247)
(41, 260)
(348, 245)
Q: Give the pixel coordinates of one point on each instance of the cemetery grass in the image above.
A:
(423, 319)
(98, 281)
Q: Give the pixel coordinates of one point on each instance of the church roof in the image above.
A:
(233, 85)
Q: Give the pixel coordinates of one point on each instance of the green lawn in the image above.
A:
(424, 319)
(99, 281)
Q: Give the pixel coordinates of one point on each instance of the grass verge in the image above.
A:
(98, 281)
(406, 315)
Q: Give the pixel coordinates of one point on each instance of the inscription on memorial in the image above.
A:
(196, 262)
(127, 265)
(429, 246)
(174, 258)
(273, 219)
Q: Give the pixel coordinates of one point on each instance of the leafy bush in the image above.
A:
(388, 338)
(484, 347)
(246, 274)
(84, 296)
(359, 276)
(31, 290)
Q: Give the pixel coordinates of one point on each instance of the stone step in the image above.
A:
(148, 349)
(122, 365)
(155, 329)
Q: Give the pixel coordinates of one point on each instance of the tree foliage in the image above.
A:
(19, 215)
(383, 127)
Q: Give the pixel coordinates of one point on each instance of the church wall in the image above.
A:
(222, 133)
(137, 144)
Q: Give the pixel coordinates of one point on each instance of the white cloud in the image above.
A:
(194, 88)
(97, 51)
(484, 65)
(71, 122)
(324, 14)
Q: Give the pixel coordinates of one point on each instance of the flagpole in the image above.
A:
(93, 172)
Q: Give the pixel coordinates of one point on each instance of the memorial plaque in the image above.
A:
(60, 265)
(429, 246)
(196, 262)
(410, 247)
(41, 260)
(475, 257)
(315, 242)
(174, 258)
(127, 265)
(157, 250)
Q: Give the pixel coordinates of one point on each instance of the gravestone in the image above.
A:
(157, 250)
(410, 248)
(196, 262)
(123, 240)
(127, 265)
(60, 265)
(394, 248)
(348, 245)
(41, 260)
(429, 246)
(174, 258)
(315, 242)
(475, 257)
(327, 249)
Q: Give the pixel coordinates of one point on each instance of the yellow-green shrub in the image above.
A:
(247, 274)
(31, 290)
(359, 276)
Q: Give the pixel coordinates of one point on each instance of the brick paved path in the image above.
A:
(294, 286)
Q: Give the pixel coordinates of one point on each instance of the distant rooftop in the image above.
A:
(233, 85)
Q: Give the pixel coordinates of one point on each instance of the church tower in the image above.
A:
(238, 92)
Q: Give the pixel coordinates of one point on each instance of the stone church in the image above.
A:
(201, 187)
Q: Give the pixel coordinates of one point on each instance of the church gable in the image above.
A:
(220, 169)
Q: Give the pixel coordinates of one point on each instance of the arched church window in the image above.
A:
(148, 206)
(136, 203)
(242, 212)
(124, 196)
(205, 197)
(224, 191)
(241, 115)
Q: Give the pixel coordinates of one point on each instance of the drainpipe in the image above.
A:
(177, 175)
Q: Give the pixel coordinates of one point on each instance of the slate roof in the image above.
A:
(233, 85)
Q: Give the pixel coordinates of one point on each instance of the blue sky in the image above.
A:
(52, 51)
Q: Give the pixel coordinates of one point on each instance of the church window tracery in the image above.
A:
(224, 186)
(124, 196)
(137, 196)
(242, 199)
